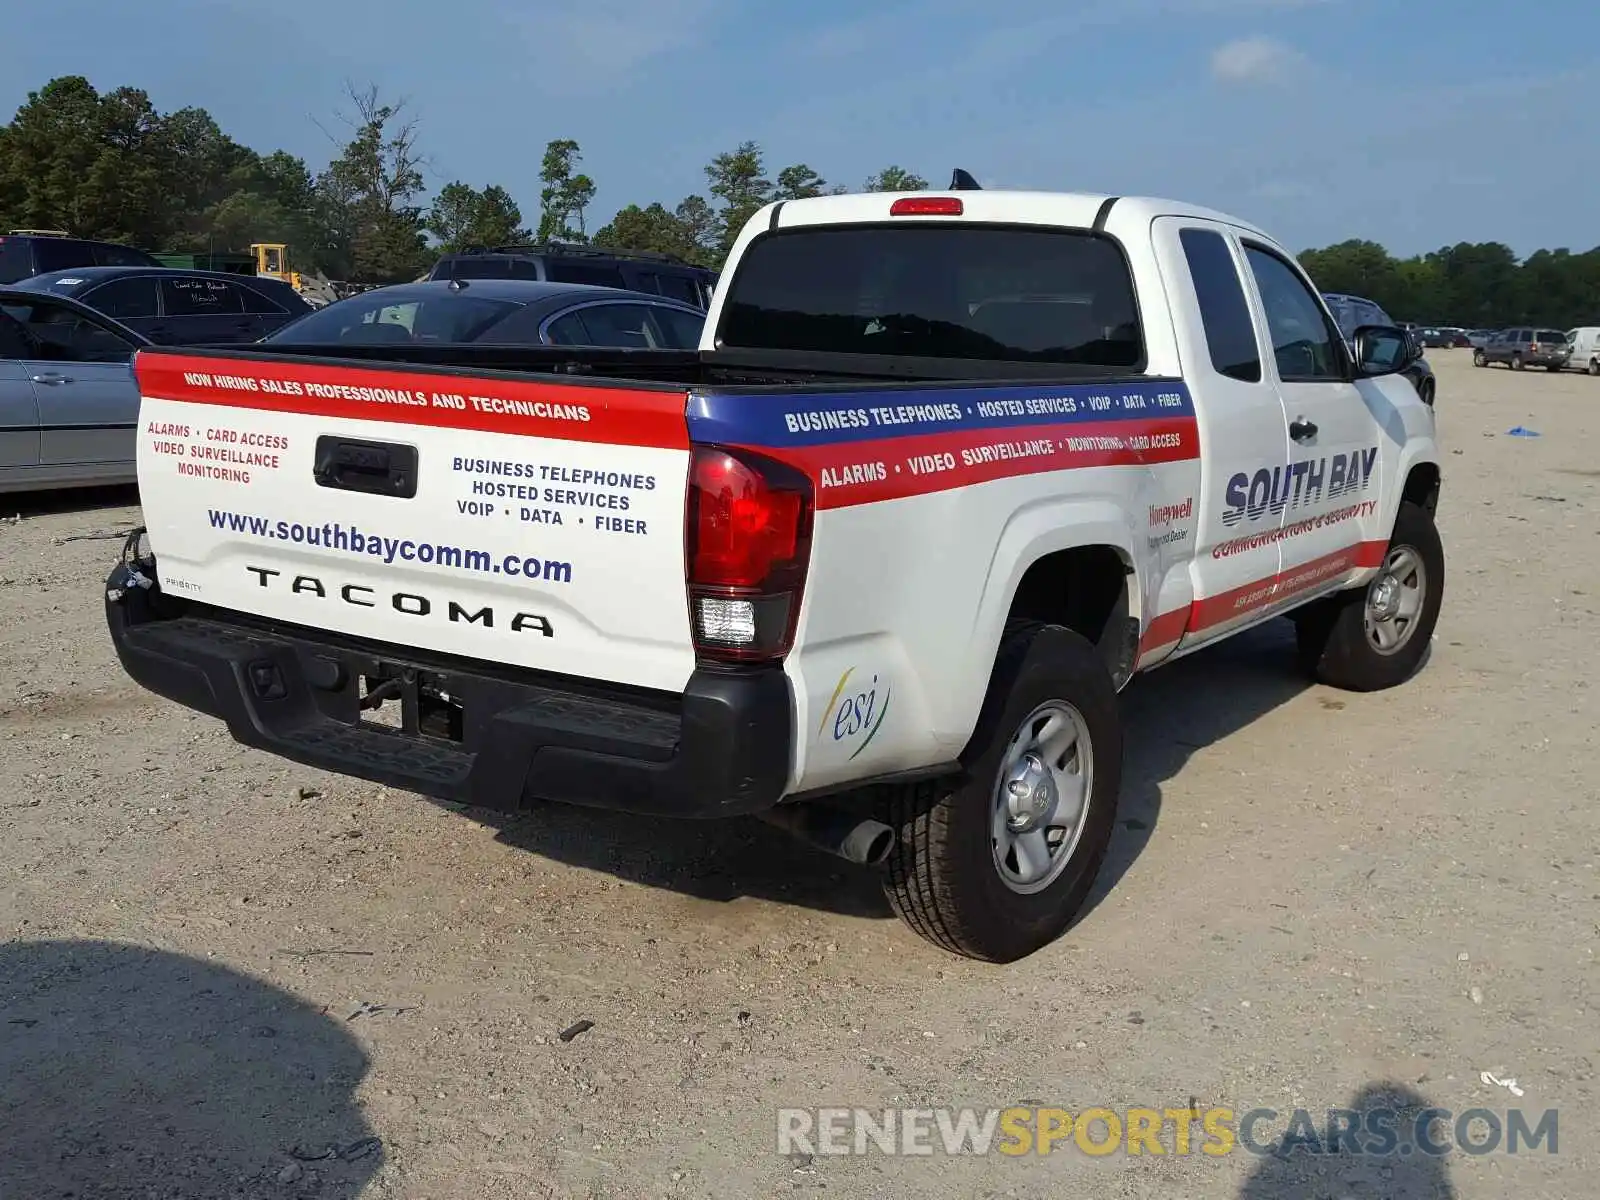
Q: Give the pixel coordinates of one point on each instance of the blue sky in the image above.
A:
(1417, 124)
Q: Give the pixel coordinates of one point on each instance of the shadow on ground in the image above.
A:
(129, 1072)
(1170, 714)
(1188, 706)
(1361, 1165)
(86, 500)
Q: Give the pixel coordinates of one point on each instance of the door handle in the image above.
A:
(52, 377)
(1302, 430)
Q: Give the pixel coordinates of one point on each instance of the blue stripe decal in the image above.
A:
(826, 419)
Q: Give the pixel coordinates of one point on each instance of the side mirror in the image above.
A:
(1383, 350)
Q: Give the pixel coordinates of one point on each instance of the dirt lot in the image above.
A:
(214, 960)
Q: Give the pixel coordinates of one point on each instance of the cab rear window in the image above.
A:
(998, 293)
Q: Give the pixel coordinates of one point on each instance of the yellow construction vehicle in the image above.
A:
(272, 262)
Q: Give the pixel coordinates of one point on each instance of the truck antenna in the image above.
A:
(960, 181)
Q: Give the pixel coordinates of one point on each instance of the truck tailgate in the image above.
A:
(500, 518)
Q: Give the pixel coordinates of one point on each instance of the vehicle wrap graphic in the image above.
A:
(629, 415)
(1211, 611)
(350, 539)
(864, 447)
(1297, 485)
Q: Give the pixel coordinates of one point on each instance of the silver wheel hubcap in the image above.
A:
(1394, 600)
(1041, 797)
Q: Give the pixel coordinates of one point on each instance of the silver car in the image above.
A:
(69, 406)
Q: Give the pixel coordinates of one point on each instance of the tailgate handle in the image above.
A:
(377, 468)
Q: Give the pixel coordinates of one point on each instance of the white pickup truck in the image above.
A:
(949, 470)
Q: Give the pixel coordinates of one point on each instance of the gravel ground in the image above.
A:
(225, 975)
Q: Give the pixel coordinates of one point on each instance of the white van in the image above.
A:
(1585, 343)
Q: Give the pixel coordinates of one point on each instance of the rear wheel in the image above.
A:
(1554, 368)
(1516, 362)
(1368, 639)
(996, 862)
(1478, 359)
(1594, 366)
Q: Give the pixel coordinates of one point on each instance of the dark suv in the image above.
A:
(25, 254)
(561, 262)
(1525, 347)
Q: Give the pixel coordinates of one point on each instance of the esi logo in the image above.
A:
(855, 713)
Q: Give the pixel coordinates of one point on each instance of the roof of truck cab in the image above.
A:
(1069, 209)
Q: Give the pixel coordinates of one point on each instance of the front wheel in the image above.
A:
(1368, 639)
(996, 862)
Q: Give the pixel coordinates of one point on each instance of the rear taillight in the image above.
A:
(747, 542)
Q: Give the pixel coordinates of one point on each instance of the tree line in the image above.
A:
(110, 166)
(1477, 285)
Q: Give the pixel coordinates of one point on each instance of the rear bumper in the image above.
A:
(720, 749)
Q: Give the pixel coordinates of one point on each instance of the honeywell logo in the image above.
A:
(1166, 514)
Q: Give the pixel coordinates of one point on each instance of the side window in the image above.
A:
(64, 335)
(567, 331)
(679, 287)
(192, 296)
(522, 268)
(621, 325)
(256, 303)
(617, 325)
(15, 261)
(1379, 317)
(1230, 333)
(677, 330)
(124, 299)
(561, 270)
(60, 254)
(107, 255)
(1304, 343)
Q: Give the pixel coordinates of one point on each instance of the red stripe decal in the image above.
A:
(1165, 628)
(866, 472)
(619, 416)
(1211, 611)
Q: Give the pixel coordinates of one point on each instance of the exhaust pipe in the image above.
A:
(857, 839)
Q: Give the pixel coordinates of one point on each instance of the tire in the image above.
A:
(1594, 366)
(1333, 639)
(1478, 359)
(944, 876)
(1516, 362)
(1554, 368)
(1427, 394)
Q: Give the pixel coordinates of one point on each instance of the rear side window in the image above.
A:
(256, 303)
(60, 254)
(124, 299)
(474, 268)
(15, 261)
(677, 287)
(563, 270)
(679, 331)
(939, 292)
(192, 296)
(1230, 333)
(1549, 335)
